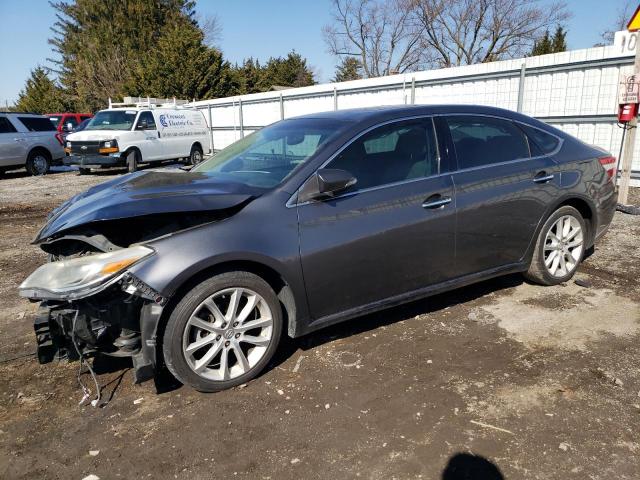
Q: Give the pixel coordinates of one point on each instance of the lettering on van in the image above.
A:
(179, 120)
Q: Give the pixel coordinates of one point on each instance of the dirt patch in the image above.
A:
(536, 382)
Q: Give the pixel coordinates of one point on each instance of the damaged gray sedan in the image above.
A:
(306, 223)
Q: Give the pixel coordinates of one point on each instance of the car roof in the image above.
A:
(359, 114)
(372, 115)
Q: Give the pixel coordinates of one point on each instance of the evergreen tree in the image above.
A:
(40, 94)
(349, 69)
(182, 66)
(291, 71)
(548, 44)
(250, 74)
(560, 40)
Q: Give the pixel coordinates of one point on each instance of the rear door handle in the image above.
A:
(542, 177)
(436, 201)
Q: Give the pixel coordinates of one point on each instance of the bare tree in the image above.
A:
(623, 15)
(464, 32)
(381, 34)
(211, 27)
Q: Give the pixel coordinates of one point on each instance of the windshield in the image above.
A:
(265, 158)
(112, 120)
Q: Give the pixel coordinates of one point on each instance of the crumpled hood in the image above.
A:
(146, 193)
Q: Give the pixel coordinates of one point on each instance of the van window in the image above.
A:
(113, 120)
(480, 140)
(148, 118)
(37, 124)
(397, 152)
(6, 126)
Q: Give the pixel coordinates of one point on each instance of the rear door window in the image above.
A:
(481, 141)
(37, 124)
(6, 126)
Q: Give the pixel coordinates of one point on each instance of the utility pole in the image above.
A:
(629, 146)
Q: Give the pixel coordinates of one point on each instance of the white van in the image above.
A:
(130, 136)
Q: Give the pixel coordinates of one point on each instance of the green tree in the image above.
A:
(560, 40)
(291, 71)
(182, 66)
(250, 74)
(40, 94)
(349, 68)
(548, 44)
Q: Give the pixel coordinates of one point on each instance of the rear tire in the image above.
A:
(38, 162)
(211, 346)
(559, 249)
(195, 157)
(132, 161)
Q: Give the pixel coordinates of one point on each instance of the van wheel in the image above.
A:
(38, 162)
(559, 248)
(195, 157)
(223, 332)
(132, 161)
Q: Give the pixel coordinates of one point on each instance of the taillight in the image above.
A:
(59, 138)
(609, 164)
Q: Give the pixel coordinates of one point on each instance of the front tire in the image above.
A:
(132, 161)
(559, 249)
(38, 163)
(223, 332)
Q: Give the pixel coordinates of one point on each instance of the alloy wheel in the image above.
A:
(563, 246)
(40, 165)
(227, 334)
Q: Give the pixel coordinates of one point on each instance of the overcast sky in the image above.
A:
(258, 28)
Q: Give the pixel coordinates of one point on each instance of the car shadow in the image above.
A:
(22, 173)
(165, 382)
(392, 315)
(466, 466)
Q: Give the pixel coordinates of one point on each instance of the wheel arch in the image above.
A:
(196, 144)
(587, 210)
(42, 149)
(275, 279)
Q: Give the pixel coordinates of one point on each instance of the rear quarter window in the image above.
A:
(37, 124)
(6, 126)
(540, 142)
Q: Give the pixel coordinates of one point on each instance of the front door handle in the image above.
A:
(436, 201)
(542, 177)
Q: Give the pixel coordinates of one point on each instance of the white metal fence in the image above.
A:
(575, 91)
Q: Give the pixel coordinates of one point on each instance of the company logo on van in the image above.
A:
(174, 120)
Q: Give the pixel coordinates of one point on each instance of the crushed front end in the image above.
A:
(91, 304)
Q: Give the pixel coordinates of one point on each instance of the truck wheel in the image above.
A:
(132, 161)
(195, 157)
(223, 332)
(38, 162)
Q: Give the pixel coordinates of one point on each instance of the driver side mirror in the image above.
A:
(67, 127)
(326, 182)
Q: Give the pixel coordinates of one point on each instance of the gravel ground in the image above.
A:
(502, 379)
